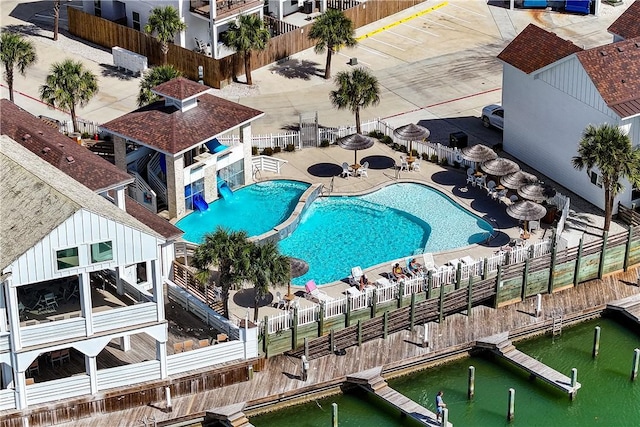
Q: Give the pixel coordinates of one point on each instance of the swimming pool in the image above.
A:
(337, 233)
(255, 208)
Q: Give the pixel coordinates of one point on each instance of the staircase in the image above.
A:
(156, 180)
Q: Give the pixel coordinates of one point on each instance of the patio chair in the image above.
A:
(346, 170)
(34, 368)
(404, 165)
(222, 338)
(188, 345)
(362, 171)
(280, 303)
(429, 262)
(481, 181)
(467, 260)
(533, 226)
(315, 294)
(471, 179)
(203, 343)
(356, 274)
(178, 347)
(454, 262)
(491, 188)
(415, 166)
(498, 195)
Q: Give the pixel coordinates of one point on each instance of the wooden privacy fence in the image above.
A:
(628, 215)
(509, 284)
(216, 72)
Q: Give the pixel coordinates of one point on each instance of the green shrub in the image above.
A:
(425, 156)
(444, 162)
(267, 151)
(86, 135)
(376, 134)
(403, 148)
(414, 153)
(433, 158)
(290, 148)
(325, 143)
(387, 140)
(254, 151)
(277, 149)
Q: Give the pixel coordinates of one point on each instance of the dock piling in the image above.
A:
(472, 382)
(167, 393)
(596, 342)
(425, 340)
(636, 362)
(538, 305)
(512, 401)
(574, 382)
(334, 415)
(445, 417)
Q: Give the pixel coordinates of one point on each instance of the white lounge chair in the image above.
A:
(468, 260)
(362, 171)
(356, 274)
(315, 294)
(429, 262)
(454, 262)
(346, 170)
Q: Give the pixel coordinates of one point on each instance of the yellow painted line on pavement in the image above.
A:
(408, 18)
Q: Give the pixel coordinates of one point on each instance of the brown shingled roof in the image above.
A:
(180, 88)
(172, 131)
(615, 71)
(627, 25)
(155, 222)
(535, 48)
(59, 150)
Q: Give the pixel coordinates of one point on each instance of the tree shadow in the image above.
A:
(297, 69)
(324, 170)
(26, 29)
(109, 70)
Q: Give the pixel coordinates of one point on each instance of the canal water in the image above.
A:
(607, 396)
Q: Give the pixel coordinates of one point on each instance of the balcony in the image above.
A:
(224, 8)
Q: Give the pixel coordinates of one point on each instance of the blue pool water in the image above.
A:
(255, 208)
(338, 233)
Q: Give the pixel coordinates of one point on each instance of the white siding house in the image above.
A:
(552, 90)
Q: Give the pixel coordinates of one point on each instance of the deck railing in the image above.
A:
(7, 399)
(127, 375)
(64, 388)
(125, 317)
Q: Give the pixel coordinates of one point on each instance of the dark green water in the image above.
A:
(607, 396)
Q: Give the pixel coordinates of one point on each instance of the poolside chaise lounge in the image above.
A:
(356, 274)
(467, 260)
(429, 262)
(315, 294)
(454, 262)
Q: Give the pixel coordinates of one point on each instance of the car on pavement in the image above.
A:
(493, 115)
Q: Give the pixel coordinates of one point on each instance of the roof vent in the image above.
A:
(45, 150)
(603, 53)
(60, 145)
(620, 49)
(40, 132)
(623, 81)
(70, 159)
(26, 136)
(637, 44)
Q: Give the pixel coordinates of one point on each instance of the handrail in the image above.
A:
(268, 163)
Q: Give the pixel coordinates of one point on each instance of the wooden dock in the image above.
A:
(371, 381)
(629, 307)
(500, 344)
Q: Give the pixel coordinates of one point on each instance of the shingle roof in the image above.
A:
(36, 197)
(535, 48)
(627, 25)
(59, 150)
(144, 215)
(615, 71)
(172, 131)
(180, 88)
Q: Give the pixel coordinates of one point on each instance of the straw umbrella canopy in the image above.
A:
(536, 192)
(298, 267)
(478, 153)
(526, 210)
(500, 167)
(411, 132)
(355, 142)
(518, 179)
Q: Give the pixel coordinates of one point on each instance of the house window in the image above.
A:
(635, 193)
(191, 191)
(97, 8)
(135, 17)
(596, 179)
(101, 252)
(67, 258)
(233, 174)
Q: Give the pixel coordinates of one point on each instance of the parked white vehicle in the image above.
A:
(493, 115)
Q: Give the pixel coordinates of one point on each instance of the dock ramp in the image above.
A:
(629, 307)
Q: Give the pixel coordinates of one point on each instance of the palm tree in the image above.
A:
(268, 268)
(247, 35)
(356, 90)
(68, 85)
(15, 52)
(165, 22)
(331, 31)
(56, 18)
(152, 78)
(230, 252)
(608, 148)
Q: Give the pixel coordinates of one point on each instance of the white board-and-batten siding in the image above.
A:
(546, 114)
(82, 229)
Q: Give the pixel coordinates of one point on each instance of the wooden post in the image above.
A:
(574, 382)
(636, 362)
(306, 347)
(469, 296)
(294, 331)
(538, 305)
(525, 274)
(332, 342)
(576, 273)
(359, 333)
(429, 283)
(385, 324)
(440, 312)
(512, 402)
(374, 304)
(472, 382)
(266, 337)
(552, 267)
(485, 267)
(334, 414)
(458, 275)
(167, 394)
(425, 341)
(498, 285)
(605, 235)
(596, 342)
(627, 249)
(412, 315)
(445, 416)
(347, 319)
(400, 293)
(321, 321)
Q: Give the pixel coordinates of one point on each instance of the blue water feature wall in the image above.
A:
(224, 190)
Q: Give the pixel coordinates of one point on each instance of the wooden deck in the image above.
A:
(629, 307)
(371, 381)
(506, 350)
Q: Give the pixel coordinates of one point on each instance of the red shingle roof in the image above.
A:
(535, 48)
(155, 222)
(627, 25)
(59, 150)
(615, 71)
(173, 131)
(180, 88)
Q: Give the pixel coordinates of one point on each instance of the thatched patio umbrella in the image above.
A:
(478, 153)
(355, 142)
(411, 132)
(526, 210)
(298, 268)
(518, 179)
(536, 192)
(500, 166)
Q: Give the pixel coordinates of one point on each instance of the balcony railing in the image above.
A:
(224, 8)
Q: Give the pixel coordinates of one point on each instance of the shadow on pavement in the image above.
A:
(441, 129)
(113, 71)
(296, 69)
(324, 170)
(246, 298)
(378, 162)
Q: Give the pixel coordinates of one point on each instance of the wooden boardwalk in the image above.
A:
(500, 345)
(629, 307)
(371, 381)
